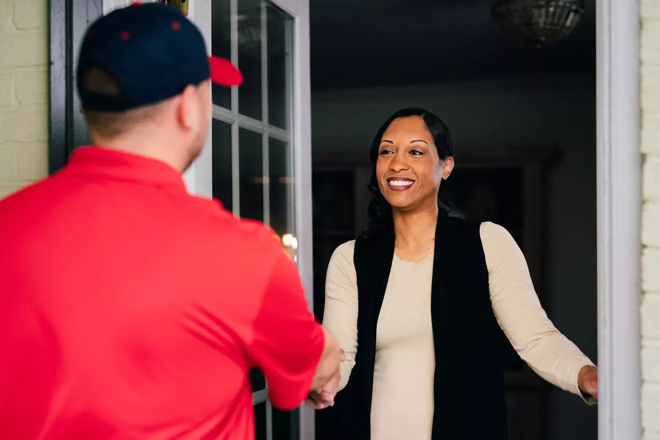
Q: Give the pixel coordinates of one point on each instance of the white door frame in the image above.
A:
(619, 211)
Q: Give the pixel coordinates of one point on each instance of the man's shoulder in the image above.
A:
(252, 235)
(29, 203)
(25, 194)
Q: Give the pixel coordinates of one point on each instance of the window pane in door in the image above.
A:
(285, 424)
(279, 26)
(281, 187)
(260, 421)
(251, 174)
(249, 57)
(222, 179)
(221, 46)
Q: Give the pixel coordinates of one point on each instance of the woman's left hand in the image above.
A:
(588, 380)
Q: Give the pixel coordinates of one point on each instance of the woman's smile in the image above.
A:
(399, 183)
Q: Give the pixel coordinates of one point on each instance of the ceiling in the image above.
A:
(367, 43)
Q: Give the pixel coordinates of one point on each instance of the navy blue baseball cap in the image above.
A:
(153, 52)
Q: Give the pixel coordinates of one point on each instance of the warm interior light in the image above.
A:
(290, 241)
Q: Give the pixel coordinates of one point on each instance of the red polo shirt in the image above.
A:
(130, 309)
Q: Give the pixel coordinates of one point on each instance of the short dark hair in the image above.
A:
(380, 212)
(99, 80)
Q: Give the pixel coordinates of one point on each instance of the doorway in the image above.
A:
(497, 94)
(617, 160)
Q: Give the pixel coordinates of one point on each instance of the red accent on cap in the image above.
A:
(137, 4)
(125, 35)
(223, 72)
(176, 25)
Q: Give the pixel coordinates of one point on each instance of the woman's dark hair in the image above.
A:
(380, 212)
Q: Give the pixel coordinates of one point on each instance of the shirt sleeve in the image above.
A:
(341, 306)
(288, 342)
(520, 315)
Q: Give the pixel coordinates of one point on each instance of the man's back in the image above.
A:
(133, 310)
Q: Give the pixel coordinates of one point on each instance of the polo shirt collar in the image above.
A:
(118, 165)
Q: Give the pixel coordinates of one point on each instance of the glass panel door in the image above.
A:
(253, 142)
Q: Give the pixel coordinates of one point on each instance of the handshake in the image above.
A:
(324, 396)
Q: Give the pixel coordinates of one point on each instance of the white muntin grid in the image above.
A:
(267, 131)
(237, 121)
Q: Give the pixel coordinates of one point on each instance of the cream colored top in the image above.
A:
(402, 404)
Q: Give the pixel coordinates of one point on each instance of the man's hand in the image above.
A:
(588, 380)
(325, 397)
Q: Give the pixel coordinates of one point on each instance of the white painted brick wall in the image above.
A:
(650, 133)
(651, 224)
(651, 362)
(23, 93)
(29, 14)
(650, 147)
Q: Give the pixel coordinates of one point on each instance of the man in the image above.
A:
(130, 309)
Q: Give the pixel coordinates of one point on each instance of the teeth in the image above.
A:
(400, 182)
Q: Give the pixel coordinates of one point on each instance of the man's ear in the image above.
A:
(187, 108)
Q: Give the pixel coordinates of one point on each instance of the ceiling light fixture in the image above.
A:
(538, 22)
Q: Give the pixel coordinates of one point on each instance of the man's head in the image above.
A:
(144, 82)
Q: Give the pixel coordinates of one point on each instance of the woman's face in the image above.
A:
(409, 170)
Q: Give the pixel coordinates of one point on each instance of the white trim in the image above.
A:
(265, 163)
(302, 163)
(202, 170)
(264, 61)
(224, 114)
(252, 124)
(269, 420)
(619, 206)
(264, 116)
(110, 5)
(260, 127)
(259, 397)
(290, 167)
(295, 8)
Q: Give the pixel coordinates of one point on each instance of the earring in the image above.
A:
(446, 176)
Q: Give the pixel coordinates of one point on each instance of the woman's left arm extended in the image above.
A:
(520, 315)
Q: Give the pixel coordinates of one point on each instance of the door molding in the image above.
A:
(67, 25)
(619, 212)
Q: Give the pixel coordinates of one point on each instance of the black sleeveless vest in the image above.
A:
(469, 384)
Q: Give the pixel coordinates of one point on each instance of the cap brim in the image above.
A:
(223, 72)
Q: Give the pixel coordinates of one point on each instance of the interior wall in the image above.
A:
(558, 112)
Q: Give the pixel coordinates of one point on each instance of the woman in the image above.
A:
(419, 301)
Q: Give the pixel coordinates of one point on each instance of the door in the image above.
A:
(257, 160)
(259, 156)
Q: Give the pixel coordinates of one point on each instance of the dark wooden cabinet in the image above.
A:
(504, 185)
